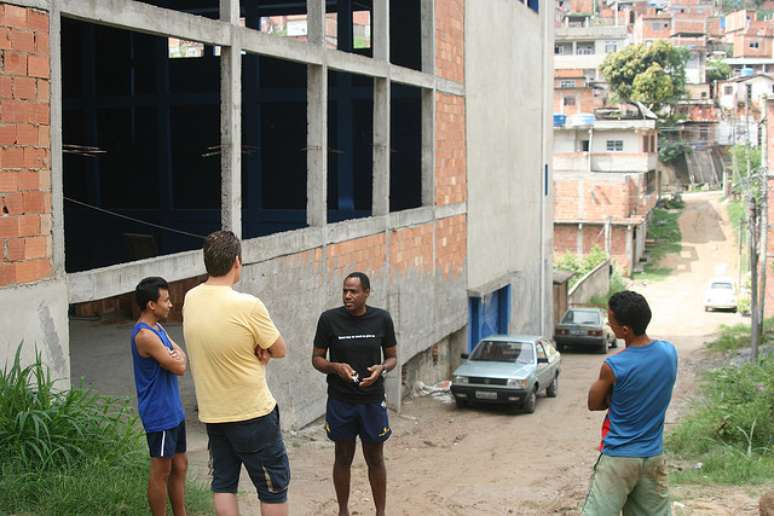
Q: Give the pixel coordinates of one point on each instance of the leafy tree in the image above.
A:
(653, 75)
(717, 70)
(672, 151)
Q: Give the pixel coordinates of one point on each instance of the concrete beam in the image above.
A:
(353, 63)
(261, 43)
(449, 87)
(262, 249)
(35, 4)
(450, 210)
(411, 77)
(317, 146)
(141, 17)
(408, 218)
(356, 228)
(231, 123)
(381, 151)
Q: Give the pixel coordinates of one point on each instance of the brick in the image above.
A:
(32, 270)
(14, 63)
(8, 134)
(35, 158)
(46, 224)
(44, 90)
(44, 180)
(38, 66)
(37, 20)
(12, 157)
(28, 225)
(26, 134)
(28, 181)
(41, 114)
(14, 111)
(44, 135)
(34, 202)
(22, 41)
(9, 181)
(5, 38)
(6, 87)
(14, 249)
(24, 88)
(14, 16)
(35, 247)
(9, 227)
(7, 274)
(41, 43)
(11, 204)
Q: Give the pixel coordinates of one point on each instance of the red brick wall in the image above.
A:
(25, 173)
(602, 199)
(450, 155)
(412, 248)
(365, 254)
(585, 101)
(451, 241)
(450, 39)
(566, 241)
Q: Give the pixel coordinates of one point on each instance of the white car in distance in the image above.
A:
(720, 295)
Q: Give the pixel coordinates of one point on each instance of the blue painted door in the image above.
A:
(489, 315)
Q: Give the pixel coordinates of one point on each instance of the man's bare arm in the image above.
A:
(599, 393)
(150, 345)
(322, 364)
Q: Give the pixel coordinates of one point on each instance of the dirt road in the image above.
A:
(477, 461)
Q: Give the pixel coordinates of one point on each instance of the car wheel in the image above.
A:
(460, 403)
(553, 389)
(614, 343)
(603, 347)
(530, 401)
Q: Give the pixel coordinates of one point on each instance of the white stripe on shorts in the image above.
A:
(163, 436)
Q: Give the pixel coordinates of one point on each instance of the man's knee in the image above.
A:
(180, 464)
(345, 453)
(374, 455)
(160, 469)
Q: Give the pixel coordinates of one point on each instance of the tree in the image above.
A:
(653, 75)
(717, 70)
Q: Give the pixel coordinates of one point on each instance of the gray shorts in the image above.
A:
(636, 486)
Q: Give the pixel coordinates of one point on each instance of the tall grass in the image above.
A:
(731, 430)
(70, 451)
(664, 230)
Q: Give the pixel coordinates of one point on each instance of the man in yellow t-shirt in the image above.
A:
(230, 339)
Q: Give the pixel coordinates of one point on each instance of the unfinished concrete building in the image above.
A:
(407, 139)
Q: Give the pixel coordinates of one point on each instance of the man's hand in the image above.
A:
(344, 371)
(376, 372)
(263, 355)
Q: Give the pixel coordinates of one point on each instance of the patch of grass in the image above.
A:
(664, 230)
(737, 336)
(71, 451)
(731, 430)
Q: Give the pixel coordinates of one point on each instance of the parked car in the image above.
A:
(720, 295)
(508, 370)
(586, 327)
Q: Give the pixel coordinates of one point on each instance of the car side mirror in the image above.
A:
(542, 360)
(464, 356)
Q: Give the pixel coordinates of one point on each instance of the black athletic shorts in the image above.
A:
(166, 443)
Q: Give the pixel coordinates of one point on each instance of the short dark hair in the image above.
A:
(630, 309)
(364, 281)
(221, 249)
(149, 289)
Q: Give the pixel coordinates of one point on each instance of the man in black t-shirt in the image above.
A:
(359, 341)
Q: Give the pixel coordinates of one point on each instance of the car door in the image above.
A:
(543, 369)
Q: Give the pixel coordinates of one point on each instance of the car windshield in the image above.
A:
(496, 351)
(581, 317)
(719, 285)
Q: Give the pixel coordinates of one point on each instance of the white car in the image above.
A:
(720, 295)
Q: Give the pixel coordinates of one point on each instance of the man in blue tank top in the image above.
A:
(158, 361)
(635, 387)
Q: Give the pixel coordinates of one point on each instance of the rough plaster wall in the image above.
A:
(37, 316)
(505, 174)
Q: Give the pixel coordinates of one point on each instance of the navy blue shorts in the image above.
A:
(256, 443)
(344, 421)
(166, 443)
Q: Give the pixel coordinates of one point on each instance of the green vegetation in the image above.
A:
(71, 451)
(617, 284)
(731, 430)
(717, 70)
(580, 265)
(653, 75)
(664, 231)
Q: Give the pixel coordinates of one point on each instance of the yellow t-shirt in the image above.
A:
(222, 329)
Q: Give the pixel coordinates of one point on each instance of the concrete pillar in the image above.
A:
(381, 178)
(231, 122)
(427, 13)
(630, 249)
(57, 188)
(608, 231)
(317, 122)
(393, 387)
(579, 240)
(428, 147)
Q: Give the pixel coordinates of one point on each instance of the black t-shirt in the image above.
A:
(357, 341)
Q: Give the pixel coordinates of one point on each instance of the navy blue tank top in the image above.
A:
(158, 395)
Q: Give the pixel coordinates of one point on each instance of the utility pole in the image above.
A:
(764, 173)
(753, 193)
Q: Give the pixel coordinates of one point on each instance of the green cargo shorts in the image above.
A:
(636, 486)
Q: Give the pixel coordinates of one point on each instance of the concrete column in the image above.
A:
(427, 14)
(630, 249)
(231, 122)
(428, 148)
(57, 188)
(315, 22)
(381, 179)
(579, 240)
(381, 29)
(608, 234)
(317, 146)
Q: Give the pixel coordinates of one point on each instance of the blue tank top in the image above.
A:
(158, 395)
(644, 377)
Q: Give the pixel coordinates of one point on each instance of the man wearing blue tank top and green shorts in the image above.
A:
(635, 387)
(158, 361)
